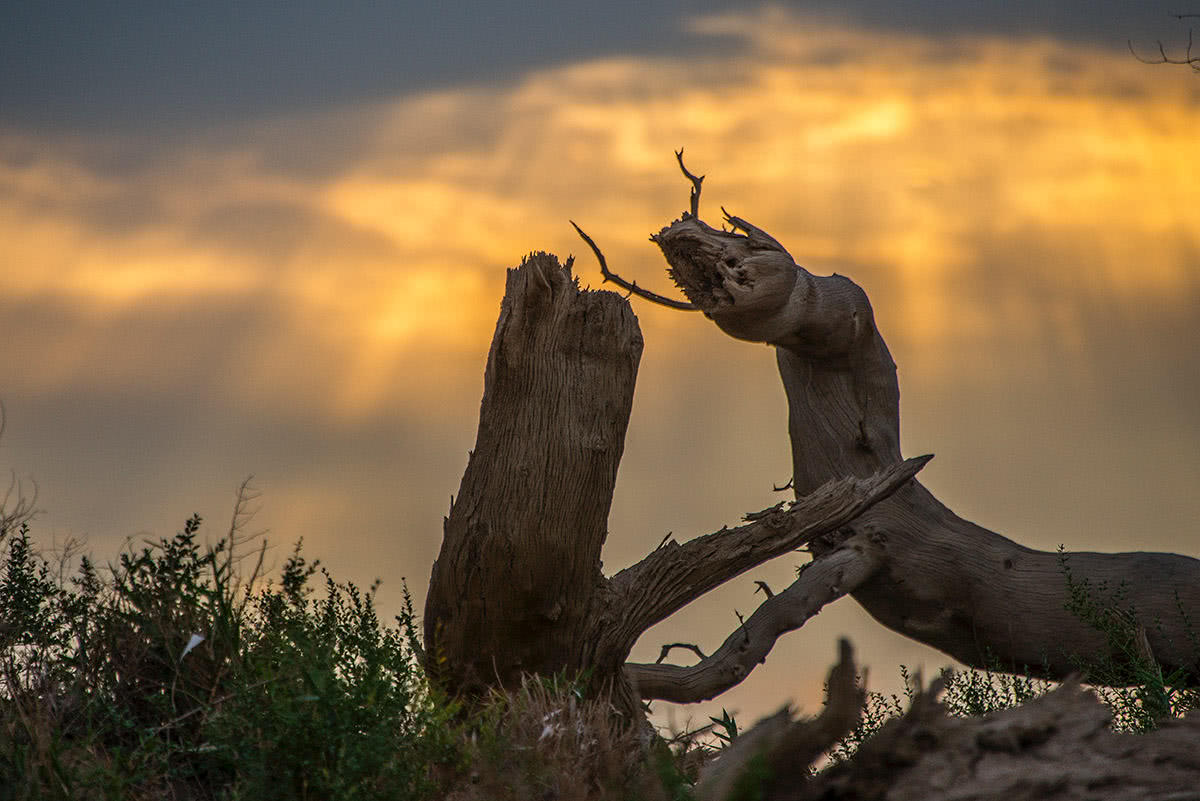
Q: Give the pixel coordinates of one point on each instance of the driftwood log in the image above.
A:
(1058, 747)
(518, 585)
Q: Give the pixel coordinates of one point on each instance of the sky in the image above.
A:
(251, 239)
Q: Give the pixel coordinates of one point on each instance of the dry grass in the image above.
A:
(547, 741)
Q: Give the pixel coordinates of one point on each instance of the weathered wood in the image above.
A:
(516, 579)
(783, 747)
(965, 590)
(517, 587)
(675, 575)
(1057, 747)
(820, 583)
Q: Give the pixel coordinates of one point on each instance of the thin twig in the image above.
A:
(171, 723)
(762, 585)
(1163, 58)
(632, 287)
(694, 199)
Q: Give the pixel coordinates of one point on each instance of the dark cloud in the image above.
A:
(144, 65)
(136, 65)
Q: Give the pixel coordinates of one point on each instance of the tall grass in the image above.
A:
(183, 671)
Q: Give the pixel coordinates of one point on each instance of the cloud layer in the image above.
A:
(310, 298)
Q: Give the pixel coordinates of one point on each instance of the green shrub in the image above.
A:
(170, 675)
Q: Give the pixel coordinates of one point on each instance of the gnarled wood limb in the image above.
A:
(630, 286)
(821, 582)
(675, 575)
(947, 582)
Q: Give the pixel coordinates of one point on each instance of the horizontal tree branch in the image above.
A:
(675, 575)
(821, 582)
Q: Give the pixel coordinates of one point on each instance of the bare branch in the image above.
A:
(1188, 59)
(756, 235)
(765, 589)
(827, 579)
(631, 287)
(687, 646)
(694, 198)
(673, 576)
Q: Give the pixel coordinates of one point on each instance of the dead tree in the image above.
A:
(518, 586)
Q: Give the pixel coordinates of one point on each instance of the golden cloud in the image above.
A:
(905, 161)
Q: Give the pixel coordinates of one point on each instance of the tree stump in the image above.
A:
(519, 570)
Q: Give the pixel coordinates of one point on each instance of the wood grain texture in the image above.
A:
(1057, 747)
(515, 581)
(967, 591)
(820, 583)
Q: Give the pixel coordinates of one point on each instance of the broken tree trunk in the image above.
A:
(515, 582)
(517, 587)
(929, 574)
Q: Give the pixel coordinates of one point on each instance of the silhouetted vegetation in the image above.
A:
(183, 672)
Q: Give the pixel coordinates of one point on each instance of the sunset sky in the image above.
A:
(244, 238)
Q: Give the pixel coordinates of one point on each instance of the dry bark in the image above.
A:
(944, 581)
(515, 581)
(785, 748)
(1058, 747)
(517, 587)
(821, 582)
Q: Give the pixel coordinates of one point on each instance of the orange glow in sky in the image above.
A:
(1008, 204)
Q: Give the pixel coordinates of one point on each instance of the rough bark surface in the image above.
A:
(944, 581)
(821, 582)
(1057, 747)
(519, 567)
(784, 748)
